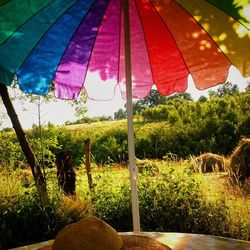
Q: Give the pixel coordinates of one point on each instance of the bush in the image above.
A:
(173, 202)
(147, 167)
(70, 210)
(24, 220)
(170, 200)
(112, 201)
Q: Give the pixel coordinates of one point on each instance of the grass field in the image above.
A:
(172, 198)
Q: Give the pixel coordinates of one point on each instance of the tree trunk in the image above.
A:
(65, 172)
(36, 171)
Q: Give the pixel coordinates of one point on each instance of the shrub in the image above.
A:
(147, 167)
(112, 201)
(24, 220)
(71, 209)
(173, 201)
(170, 200)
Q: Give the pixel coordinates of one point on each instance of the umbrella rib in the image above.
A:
(24, 22)
(42, 37)
(144, 40)
(227, 13)
(82, 20)
(212, 40)
(171, 36)
(93, 42)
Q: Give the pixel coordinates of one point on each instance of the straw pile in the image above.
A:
(89, 233)
(209, 162)
(94, 234)
(139, 242)
(147, 167)
(240, 160)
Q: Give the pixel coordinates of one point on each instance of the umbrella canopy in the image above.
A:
(80, 44)
(101, 44)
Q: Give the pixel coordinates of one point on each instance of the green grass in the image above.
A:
(219, 187)
(171, 196)
(215, 188)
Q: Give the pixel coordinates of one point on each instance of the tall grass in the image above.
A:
(172, 198)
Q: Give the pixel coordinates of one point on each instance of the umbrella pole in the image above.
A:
(131, 145)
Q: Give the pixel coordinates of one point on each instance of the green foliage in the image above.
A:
(227, 89)
(170, 199)
(8, 129)
(179, 126)
(173, 201)
(79, 104)
(214, 125)
(89, 120)
(153, 99)
(22, 217)
(147, 167)
(120, 114)
(70, 210)
(248, 87)
(45, 145)
(11, 154)
(112, 200)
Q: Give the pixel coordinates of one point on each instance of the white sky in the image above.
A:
(59, 112)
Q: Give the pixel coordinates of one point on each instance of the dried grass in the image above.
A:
(209, 162)
(239, 164)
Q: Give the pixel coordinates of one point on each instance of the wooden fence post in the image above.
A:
(88, 162)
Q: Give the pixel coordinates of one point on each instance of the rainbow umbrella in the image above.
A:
(100, 45)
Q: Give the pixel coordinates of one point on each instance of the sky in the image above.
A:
(59, 112)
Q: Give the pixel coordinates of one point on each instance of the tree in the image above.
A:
(202, 98)
(39, 178)
(248, 87)
(184, 96)
(227, 89)
(212, 93)
(120, 114)
(153, 99)
(79, 105)
(36, 170)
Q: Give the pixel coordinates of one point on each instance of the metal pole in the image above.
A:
(131, 145)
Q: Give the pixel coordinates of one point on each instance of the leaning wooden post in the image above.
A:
(88, 163)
